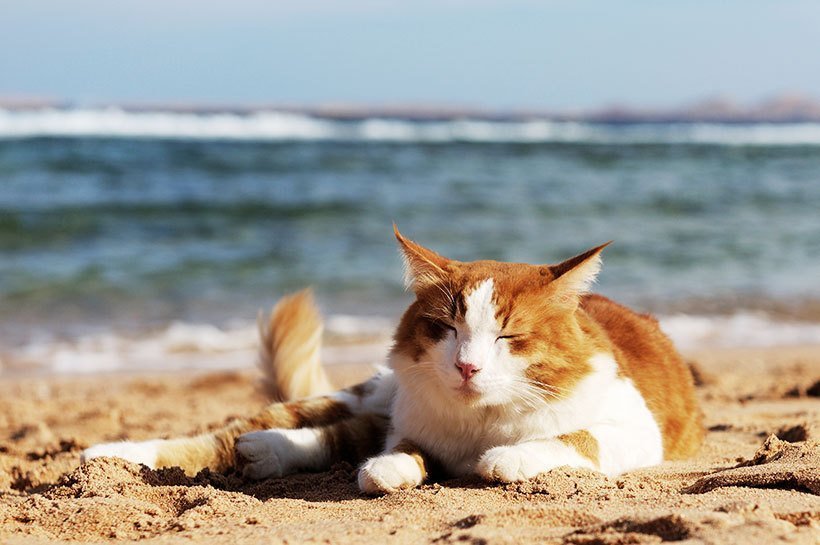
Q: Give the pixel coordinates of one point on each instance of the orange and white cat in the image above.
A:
(505, 370)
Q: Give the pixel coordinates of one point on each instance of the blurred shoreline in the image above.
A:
(702, 125)
(348, 340)
(783, 108)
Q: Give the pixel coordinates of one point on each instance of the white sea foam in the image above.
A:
(284, 126)
(114, 122)
(745, 329)
(352, 340)
(189, 346)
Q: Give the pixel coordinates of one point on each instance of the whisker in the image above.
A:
(541, 390)
(551, 387)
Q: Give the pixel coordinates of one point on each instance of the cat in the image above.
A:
(504, 370)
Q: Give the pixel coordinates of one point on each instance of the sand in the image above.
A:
(756, 480)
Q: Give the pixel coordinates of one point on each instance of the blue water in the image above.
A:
(125, 232)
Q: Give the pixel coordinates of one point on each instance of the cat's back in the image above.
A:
(647, 356)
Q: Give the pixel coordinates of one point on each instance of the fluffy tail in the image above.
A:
(291, 340)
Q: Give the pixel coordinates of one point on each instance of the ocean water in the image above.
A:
(147, 233)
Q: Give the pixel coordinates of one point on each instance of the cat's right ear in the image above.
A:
(573, 277)
(422, 267)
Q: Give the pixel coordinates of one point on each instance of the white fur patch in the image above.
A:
(526, 460)
(143, 452)
(279, 452)
(382, 389)
(479, 313)
(388, 473)
(628, 435)
(476, 341)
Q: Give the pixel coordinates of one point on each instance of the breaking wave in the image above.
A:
(180, 345)
(287, 126)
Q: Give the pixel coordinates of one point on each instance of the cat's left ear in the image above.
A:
(423, 267)
(573, 277)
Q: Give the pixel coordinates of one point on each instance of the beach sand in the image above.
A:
(756, 479)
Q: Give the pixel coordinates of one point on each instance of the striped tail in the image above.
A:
(290, 346)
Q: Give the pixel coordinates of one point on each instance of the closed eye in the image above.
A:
(506, 337)
(450, 327)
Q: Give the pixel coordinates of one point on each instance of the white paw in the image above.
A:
(388, 473)
(509, 464)
(262, 450)
(144, 452)
(276, 453)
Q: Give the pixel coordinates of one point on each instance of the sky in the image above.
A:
(571, 54)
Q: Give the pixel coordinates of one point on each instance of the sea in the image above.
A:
(151, 240)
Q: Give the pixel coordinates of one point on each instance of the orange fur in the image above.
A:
(289, 349)
(411, 449)
(584, 443)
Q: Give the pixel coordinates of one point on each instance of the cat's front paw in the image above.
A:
(508, 464)
(389, 472)
(143, 452)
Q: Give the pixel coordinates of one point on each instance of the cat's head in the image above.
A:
(487, 333)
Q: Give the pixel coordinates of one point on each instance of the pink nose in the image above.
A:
(467, 370)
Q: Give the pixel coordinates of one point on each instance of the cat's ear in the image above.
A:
(573, 277)
(423, 267)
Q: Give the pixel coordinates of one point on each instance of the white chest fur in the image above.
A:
(607, 406)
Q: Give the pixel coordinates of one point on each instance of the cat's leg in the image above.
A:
(609, 448)
(216, 450)
(510, 463)
(622, 437)
(403, 465)
(278, 452)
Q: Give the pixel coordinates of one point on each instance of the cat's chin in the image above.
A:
(468, 394)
